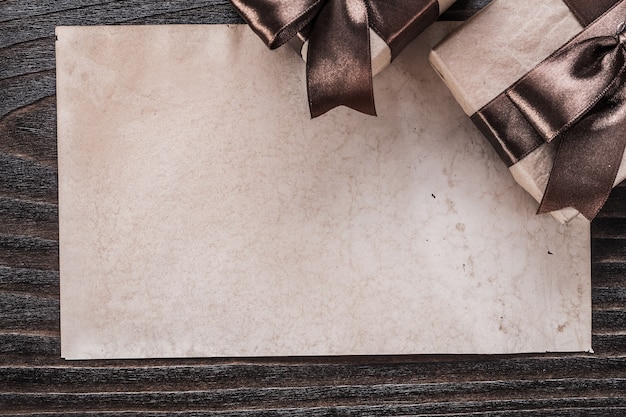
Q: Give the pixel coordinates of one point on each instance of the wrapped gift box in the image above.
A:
(487, 55)
(333, 38)
(381, 53)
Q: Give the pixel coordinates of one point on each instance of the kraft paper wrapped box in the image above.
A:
(381, 54)
(487, 55)
(345, 44)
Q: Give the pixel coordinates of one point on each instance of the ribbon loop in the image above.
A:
(556, 94)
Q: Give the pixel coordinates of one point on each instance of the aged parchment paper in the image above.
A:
(202, 213)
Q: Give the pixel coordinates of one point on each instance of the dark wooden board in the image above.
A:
(35, 381)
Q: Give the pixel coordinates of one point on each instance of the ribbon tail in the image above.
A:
(585, 168)
(339, 69)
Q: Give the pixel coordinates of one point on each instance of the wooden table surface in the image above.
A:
(34, 380)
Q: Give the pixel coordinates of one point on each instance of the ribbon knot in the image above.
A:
(338, 58)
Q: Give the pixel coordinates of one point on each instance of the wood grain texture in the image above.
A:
(34, 381)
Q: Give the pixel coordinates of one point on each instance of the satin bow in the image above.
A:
(579, 96)
(339, 58)
(576, 99)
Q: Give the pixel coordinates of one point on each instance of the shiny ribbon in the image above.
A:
(586, 11)
(339, 58)
(575, 100)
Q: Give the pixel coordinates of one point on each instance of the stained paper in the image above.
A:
(202, 213)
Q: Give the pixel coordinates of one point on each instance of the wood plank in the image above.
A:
(609, 297)
(29, 252)
(135, 376)
(609, 344)
(28, 218)
(571, 411)
(28, 312)
(29, 134)
(413, 396)
(31, 346)
(198, 404)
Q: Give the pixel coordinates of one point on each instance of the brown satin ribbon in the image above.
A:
(586, 11)
(339, 68)
(575, 101)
